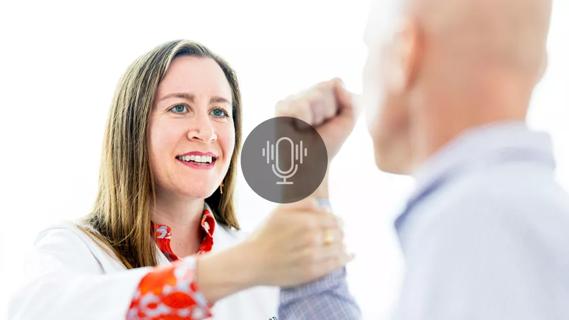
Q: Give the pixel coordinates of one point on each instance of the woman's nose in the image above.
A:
(202, 130)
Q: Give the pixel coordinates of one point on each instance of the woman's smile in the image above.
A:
(198, 160)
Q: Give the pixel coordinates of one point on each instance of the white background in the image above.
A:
(60, 62)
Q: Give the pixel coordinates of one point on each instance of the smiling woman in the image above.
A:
(179, 122)
(161, 241)
(194, 125)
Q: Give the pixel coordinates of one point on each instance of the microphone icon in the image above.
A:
(297, 154)
(286, 172)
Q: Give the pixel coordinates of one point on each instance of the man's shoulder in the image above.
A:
(476, 202)
(507, 189)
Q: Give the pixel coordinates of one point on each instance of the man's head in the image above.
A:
(438, 67)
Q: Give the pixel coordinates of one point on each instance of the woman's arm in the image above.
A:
(169, 291)
(66, 281)
(287, 250)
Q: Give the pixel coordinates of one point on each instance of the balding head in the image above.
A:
(510, 33)
(502, 33)
(439, 67)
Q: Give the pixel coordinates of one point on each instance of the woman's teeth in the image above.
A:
(198, 159)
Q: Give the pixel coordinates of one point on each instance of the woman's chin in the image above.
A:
(201, 193)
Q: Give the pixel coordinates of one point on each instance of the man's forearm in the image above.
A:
(326, 298)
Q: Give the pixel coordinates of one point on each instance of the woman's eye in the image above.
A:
(219, 113)
(179, 108)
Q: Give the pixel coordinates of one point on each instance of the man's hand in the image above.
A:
(328, 107)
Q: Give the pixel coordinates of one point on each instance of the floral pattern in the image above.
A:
(170, 292)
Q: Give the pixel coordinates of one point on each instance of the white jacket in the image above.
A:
(72, 277)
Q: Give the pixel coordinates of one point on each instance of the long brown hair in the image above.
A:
(120, 219)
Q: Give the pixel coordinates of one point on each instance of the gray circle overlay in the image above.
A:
(284, 159)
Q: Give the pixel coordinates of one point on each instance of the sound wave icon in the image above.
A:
(297, 154)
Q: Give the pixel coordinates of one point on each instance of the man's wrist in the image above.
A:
(322, 190)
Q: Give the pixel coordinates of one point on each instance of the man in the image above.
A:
(485, 234)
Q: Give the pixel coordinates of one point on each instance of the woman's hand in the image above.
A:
(298, 243)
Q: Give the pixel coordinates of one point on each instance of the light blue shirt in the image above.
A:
(485, 235)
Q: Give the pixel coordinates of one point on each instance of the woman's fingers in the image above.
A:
(327, 260)
(332, 251)
(327, 220)
(332, 236)
(298, 243)
(335, 262)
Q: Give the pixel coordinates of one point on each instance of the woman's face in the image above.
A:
(191, 133)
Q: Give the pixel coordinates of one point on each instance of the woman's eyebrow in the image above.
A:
(191, 97)
(186, 96)
(219, 100)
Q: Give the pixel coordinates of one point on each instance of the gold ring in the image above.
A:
(328, 237)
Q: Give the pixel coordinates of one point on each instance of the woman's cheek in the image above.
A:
(228, 143)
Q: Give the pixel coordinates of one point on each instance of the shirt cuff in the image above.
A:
(325, 284)
(170, 291)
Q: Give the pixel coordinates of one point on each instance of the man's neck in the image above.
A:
(450, 117)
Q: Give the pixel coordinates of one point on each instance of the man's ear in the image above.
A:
(543, 67)
(405, 54)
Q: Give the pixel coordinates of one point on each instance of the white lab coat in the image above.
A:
(71, 277)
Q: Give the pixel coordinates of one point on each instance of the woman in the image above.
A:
(161, 241)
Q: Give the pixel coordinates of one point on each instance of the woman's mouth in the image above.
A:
(197, 161)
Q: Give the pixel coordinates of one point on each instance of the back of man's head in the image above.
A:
(492, 33)
(448, 65)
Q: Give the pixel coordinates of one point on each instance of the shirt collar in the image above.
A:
(163, 234)
(479, 146)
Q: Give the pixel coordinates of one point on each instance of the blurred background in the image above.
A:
(60, 62)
